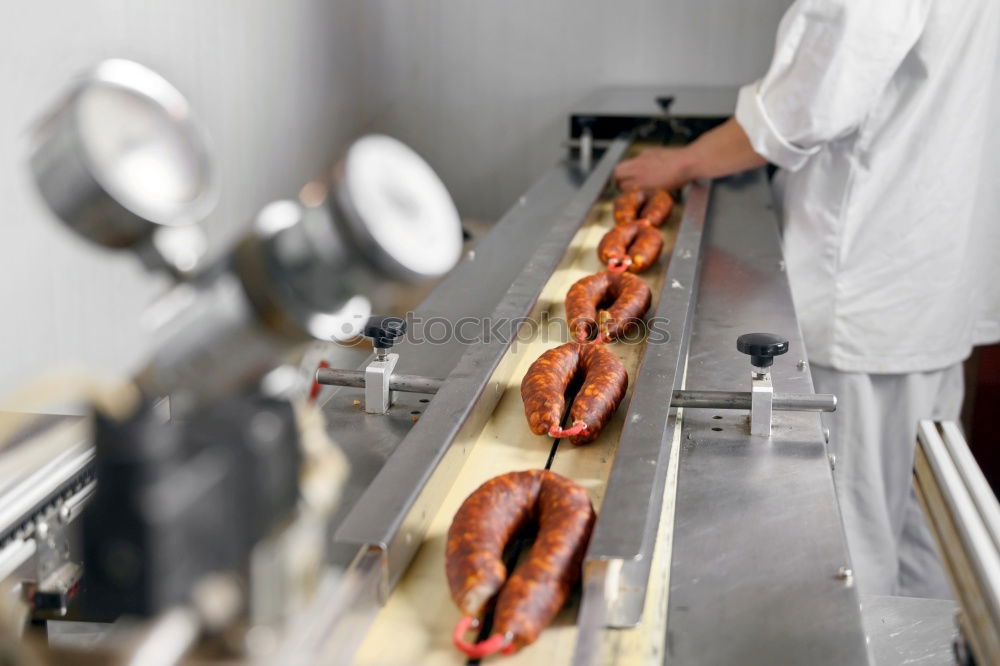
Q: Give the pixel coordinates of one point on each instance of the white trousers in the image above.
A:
(873, 434)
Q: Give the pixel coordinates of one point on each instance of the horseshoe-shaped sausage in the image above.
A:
(531, 596)
(544, 388)
(606, 304)
(633, 246)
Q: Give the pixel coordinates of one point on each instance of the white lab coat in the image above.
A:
(884, 117)
(885, 114)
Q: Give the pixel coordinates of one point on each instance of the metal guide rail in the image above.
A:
(625, 530)
(964, 516)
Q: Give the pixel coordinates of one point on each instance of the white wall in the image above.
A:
(480, 87)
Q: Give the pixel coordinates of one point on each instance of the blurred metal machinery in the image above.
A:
(208, 490)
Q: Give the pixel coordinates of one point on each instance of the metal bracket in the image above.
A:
(378, 395)
(57, 576)
(761, 397)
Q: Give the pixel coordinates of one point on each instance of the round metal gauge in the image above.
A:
(397, 209)
(121, 156)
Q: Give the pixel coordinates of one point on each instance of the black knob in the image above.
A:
(762, 347)
(384, 330)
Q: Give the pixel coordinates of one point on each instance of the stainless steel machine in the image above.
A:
(718, 537)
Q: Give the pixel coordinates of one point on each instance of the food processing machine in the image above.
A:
(718, 538)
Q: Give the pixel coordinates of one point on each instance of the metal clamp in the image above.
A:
(761, 400)
(378, 394)
(378, 379)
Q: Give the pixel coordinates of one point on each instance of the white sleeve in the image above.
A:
(832, 61)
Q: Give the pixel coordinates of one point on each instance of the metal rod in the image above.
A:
(356, 378)
(786, 402)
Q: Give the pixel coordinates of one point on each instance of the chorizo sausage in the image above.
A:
(657, 209)
(633, 246)
(484, 525)
(544, 388)
(627, 204)
(606, 304)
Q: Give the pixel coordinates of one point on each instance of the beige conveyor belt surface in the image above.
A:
(415, 625)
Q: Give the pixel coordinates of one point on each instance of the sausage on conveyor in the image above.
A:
(530, 597)
(606, 304)
(544, 388)
(634, 246)
(627, 204)
(657, 209)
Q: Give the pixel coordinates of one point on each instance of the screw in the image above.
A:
(845, 574)
(826, 435)
(801, 365)
(833, 461)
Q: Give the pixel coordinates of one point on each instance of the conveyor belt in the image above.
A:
(415, 625)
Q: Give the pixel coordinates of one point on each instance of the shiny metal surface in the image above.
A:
(621, 546)
(378, 394)
(761, 399)
(789, 402)
(396, 209)
(121, 155)
(33, 481)
(394, 510)
(397, 382)
(304, 275)
(758, 539)
(972, 476)
(962, 518)
(909, 630)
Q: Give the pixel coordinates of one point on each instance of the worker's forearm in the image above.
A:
(722, 151)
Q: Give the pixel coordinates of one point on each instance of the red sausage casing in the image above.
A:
(637, 242)
(544, 386)
(627, 204)
(530, 597)
(603, 385)
(624, 297)
(657, 209)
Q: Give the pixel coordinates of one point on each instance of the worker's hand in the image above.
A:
(667, 168)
